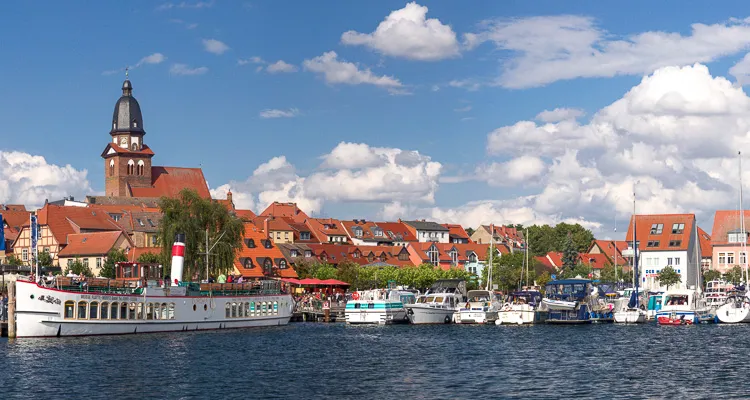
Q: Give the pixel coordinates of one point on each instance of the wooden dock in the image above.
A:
(318, 314)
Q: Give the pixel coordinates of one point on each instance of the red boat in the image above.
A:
(674, 321)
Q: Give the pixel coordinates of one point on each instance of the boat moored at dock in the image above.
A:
(439, 303)
(567, 301)
(480, 308)
(379, 306)
(521, 308)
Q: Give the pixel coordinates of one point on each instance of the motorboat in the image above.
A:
(480, 308)
(567, 301)
(654, 304)
(736, 308)
(379, 306)
(684, 307)
(521, 308)
(439, 303)
(716, 293)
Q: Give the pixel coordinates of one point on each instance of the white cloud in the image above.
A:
(335, 71)
(275, 113)
(545, 49)
(408, 33)
(214, 46)
(462, 109)
(29, 180)
(741, 70)
(281, 66)
(518, 171)
(185, 4)
(251, 60)
(156, 58)
(183, 69)
(468, 84)
(559, 114)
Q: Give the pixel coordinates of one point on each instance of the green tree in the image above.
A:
(580, 269)
(14, 261)
(470, 231)
(613, 274)
(668, 277)
(347, 271)
(570, 254)
(734, 275)
(78, 268)
(150, 258)
(543, 278)
(195, 216)
(44, 259)
(325, 271)
(113, 256)
(543, 239)
(506, 271)
(711, 275)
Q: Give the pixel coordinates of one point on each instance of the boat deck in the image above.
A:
(121, 286)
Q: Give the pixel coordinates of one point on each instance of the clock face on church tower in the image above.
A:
(124, 142)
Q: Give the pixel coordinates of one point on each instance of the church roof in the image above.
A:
(113, 148)
(169, 181)
(127, 115)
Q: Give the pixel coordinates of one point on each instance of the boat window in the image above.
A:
(171, 311)
(123, 310)
(228, 310)
(81, 310)
(253, 307)
(164, 311)
(276, 308)
(235, 313)
(69, 306)
(247, 310)
(149, 310)
(156, 311)
(429, 299)
(94, 310)
(439, 300)
(578, 288)
(105, 310)
(263, 308)
(131, 311)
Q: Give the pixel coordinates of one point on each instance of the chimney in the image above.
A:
(265, 226)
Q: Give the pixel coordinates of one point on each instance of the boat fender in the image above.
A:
(409, 311)
(447, 319)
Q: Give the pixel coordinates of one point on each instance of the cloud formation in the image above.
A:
(408, 33)
(275, 113)
(185, 70)
(336, 71)
(281, 66)
(215, 46)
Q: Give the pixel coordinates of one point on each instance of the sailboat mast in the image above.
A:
(635, 252)
(526, 239)
(697, 257)
(489, 270)
(745, 274)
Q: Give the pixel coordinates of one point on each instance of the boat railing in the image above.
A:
(123, 286)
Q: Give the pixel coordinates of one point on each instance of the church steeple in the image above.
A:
(127, 117)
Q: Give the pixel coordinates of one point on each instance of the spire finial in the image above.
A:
(126, 72)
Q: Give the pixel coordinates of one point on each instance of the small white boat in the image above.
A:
(438, 305)
(735, 310)
(559, 304)
(481, 308)
(521, 308)
(630, 316)
(378, 306)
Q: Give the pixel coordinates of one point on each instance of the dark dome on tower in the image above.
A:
(127, 116)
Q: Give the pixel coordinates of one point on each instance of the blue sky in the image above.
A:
(203, 101)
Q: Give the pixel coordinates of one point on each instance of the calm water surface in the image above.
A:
(411, 362)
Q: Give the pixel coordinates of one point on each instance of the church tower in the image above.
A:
(127, 160)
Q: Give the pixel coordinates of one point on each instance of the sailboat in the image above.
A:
(481, 305)
(522, 306)
(737, 307)
(633, 314)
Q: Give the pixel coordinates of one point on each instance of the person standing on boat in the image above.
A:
(222, 278)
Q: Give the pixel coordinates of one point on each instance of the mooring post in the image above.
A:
(12, 310)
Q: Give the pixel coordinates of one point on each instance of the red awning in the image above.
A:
(334, 282)
(290, 280)
(310, 281)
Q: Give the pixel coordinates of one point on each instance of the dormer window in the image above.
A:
(403, 256)
(248, 263)
(736, 236)
(472, 258)
(293, 253)
(657, 229)
(678, 228)
(250, 243)
(378, 232)
(454, 257)
(357, 231)
(304, 236)
(308, 253)
(282, 264)
(267, 244)
(675, 243)
(652, 243)
(356, 254)
(434, 256)
(140, 222)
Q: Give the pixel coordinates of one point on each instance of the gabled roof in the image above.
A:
(464, 250)
(322, 228)
(726, 221)
(112, 149)
(258, 254)
(368, 229)
(90, 244)
(705, 241)
(169, 181)
(290, 210)
(136, 252)
(63, 221)
(596, 261)
(245, 215)
(397, 231)
(15, 220)
(457, 232)
(612, 248)
(12, 207)
(274, 224)
(645, 223)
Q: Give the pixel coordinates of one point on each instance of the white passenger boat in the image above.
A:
(481, 308)
(521, 308)
(438, 304)
(379, 306)
(128, 306)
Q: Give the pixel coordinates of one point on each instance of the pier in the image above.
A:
(318, 313)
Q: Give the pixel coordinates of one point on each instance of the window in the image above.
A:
(150, 311)
(131, 167)
(69, 306)
(116, 217)
(722, 258)
(403, 256)
(678, 228)
(170, 313)
(473, 258)
(434, 256)
(111, 167)
(743, 258)
(154, 240)
(94, 310)
(282, 264)
(151, 222)
(98, 263)
(134, 147)
(25, 254)
(669, 261)
(267, 266)
(164, 310)
(675, 243)
(304, 235)
(140, 222)
(140, 166)
(677, 261)
(293, 253)
(652, 243)
(286, 235)
(113, 310)
(657, 229)
(730, 257)
(308, 253)
(105, 310)
(736, 236)
(357, 231)
(248, 263)
(82, 310)
(267, 244)
(250, 243)
(86, 262)
(454, 257)
(123, 310)
(378, 232)
(278, 235)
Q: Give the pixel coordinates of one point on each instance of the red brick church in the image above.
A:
(128, 168)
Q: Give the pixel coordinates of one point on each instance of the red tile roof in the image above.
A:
(298, 228)
(704, 238)
(15, 221)
(136, 252)
(366, 227)
(63, 221)
(169, 181)
(245, 215)
(457, 231)
(444, 249)
(646, 222)
(285, 210)
(145, 150)
(258, 254)
(90, 244)
(612, 248)
(324, 228)
(545, 261)
(596, 261)
(274, 224)
(12, 207)
(397, 231)
(726, 221)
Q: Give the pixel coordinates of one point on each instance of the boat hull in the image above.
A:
(46, 312)
(686, 317)
(476, 317)
(576, 316)
(362, 312)
(559, 305)
(630, 317)
(731, 314)
(418, 314)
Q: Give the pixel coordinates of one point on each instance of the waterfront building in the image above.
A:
(278, 229)
(397, 232)
(14, 217)
(91, 249)
(457, 234)
(260, 257)
(665, 240)
(727, 238)
(366, 233)
(427, 231)
(468, 256)
(327, 230)
(508, 235)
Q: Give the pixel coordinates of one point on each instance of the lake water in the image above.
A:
(311, 360)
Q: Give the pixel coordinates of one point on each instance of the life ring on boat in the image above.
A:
(355, 296)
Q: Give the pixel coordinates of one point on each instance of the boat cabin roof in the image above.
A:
(570, 282)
